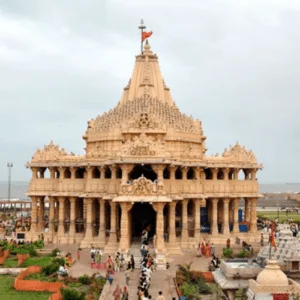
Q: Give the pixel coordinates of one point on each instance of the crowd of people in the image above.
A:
(205, 249)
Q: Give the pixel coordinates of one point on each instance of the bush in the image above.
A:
(84, 279)
(51, 268)
(54, 252)
(227, 252)
(71, 294)
(243, 254)
(190, 291)
(39, 244)
(59, 260)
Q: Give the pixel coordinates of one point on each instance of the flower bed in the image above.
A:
(21, 258)
(32, 285)
(4, 256)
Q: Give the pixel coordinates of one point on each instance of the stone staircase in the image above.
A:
(135, 251)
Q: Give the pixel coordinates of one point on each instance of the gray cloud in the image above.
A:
(233, 64)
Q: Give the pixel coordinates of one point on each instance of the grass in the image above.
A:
(11, 262)
(272, 215)
(8, 292)
(37, 261)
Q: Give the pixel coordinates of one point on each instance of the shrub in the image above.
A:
(39, 244)
(51, 268)
(243, 254)
(54, 252)
(190, 291)
(227, 252)
(59, 260)
(84, 279)
(71, 294)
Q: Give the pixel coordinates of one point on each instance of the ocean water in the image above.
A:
(18, 189)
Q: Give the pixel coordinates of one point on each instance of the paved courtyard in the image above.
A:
(161, 279)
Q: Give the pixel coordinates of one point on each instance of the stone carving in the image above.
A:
(239, 153)
(50, 152)
(142, 185)
(143, 145)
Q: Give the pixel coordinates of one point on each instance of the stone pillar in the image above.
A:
(113, 170)
(236, 228)
(214, 173)
(184, 230)
(253, 228)
(124, 240)
(172, 172)
(33, 228)
(61, 212)
(226, 173)
(214, 215)
(34, 173)
(73, 171)
(72, 220)
(197, 233)
(247, 210)
(112, 244)
(236, 174)
(51, 217)
(89, 221)
(184, 173)
(52, 173)
(225, 225)
(61, 172)
(172, 223)
(160, 244)
(253, 174)
(41, 213)
(102, 236)
(89, 171)
(88, 237)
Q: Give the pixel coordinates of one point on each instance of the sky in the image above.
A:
(235, 65)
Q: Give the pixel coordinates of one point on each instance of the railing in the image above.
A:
(168, 187)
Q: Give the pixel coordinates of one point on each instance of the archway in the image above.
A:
(143, 216)
(142, 170)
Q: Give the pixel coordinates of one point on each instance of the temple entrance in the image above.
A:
(143, 217)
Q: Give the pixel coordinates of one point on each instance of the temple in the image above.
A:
(145, 166)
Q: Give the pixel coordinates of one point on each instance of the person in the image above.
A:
(212, 249)
(117, 264)
(199, 250)
(207, 250)
(127, 276)
(144, 236)
(117, 293)
(203, 247)
(42, 237)
(132, 262)
(93, 254)
(78, 254)
(228, 243)
(160, 296)
(125, 295)
(261, 239)
(62, 271)
(108, 277)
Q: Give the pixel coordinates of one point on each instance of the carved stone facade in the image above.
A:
(143, 151)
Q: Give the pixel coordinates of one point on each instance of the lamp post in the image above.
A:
(9, 165)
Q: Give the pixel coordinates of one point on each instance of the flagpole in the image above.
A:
(142, 27)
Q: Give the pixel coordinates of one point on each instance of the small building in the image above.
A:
(272, 283)
(233, 275)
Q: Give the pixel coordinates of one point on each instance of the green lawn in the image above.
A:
(37, 261)
(272, 215)
(7, 292)
(11, 262)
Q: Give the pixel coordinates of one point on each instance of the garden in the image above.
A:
(194, 285)
(81, 288)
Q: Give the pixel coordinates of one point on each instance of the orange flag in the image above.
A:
(146, 34)
(272, 237)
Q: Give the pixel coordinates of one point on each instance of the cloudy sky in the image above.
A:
(233, 64)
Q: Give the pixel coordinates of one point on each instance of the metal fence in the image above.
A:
(17, 190)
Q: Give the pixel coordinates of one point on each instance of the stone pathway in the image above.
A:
(162, 280)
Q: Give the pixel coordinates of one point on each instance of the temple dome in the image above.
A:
(272, 275)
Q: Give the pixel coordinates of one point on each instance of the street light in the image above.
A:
(9, 165)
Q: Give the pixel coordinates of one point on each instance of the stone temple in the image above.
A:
(145, 166)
